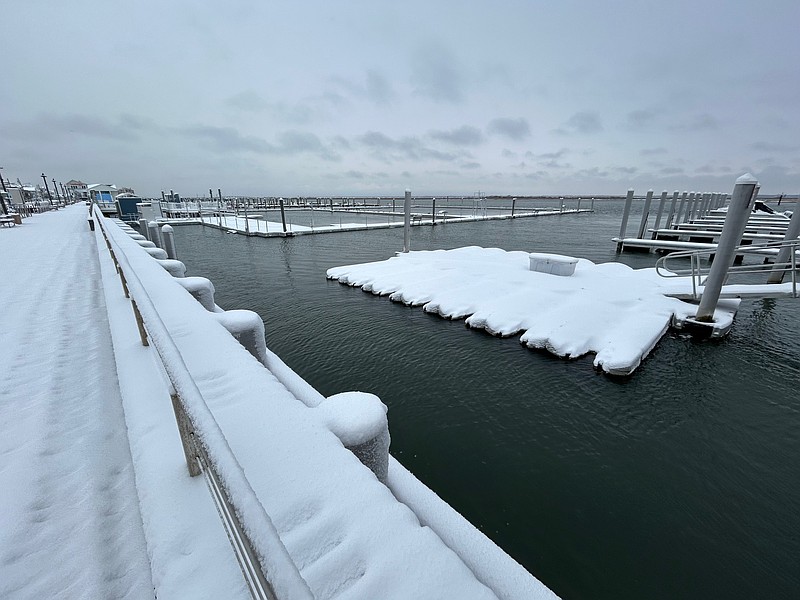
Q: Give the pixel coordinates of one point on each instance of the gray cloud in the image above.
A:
(226, 139)
(470, 165)
(247, 100)
(701, 122)
(584, 122)
(46, 125)
(671, 171)
(773, 147)
(652, 151)
(408, 147)
(436, 74)
(554, 164)
(626, 170)
(378, 88)
(640, 119)
(554, 155)
(515, 129)
(461, 136)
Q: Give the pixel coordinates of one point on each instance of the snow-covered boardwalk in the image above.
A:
(610, 309)
(70, 525)
(97, 501)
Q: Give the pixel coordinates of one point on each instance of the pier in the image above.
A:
(145, 366)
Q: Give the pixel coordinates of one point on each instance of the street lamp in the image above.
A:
(49, 197)
(2, 199)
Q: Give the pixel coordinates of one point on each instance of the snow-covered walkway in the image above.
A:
(70, 525)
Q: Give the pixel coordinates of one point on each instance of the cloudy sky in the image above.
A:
(443, 97)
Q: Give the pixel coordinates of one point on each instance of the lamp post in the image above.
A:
(55, 189)
(2, 199)
(49, 197)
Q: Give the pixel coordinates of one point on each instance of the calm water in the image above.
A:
(679, 482)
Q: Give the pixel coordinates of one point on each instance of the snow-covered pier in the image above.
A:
(98, 500)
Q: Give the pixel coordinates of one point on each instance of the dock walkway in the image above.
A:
(70, 525)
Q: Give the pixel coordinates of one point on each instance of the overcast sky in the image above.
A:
(324, 97)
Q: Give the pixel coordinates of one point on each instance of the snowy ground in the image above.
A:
(610, 309)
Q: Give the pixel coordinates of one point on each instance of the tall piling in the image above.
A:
(143, 228)
(283, 215)
(742, 199)
(407, 222)
(792, 231)
(625, 214)
(660, 212)
(645, 214)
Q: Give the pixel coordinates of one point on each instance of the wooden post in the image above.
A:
(283, 215)
(139, 323)
(186, 432)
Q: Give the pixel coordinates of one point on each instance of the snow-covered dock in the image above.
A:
(97, 500)
(609, 309)
(255, 226)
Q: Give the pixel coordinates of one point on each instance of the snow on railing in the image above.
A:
(266, 565)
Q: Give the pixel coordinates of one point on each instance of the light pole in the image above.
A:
(49, 197)
(2, 199)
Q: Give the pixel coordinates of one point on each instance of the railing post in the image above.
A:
(744, 193)
(186, 432)
(139, 323)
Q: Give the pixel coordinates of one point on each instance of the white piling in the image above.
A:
(625, 214)
(675, 195)
(792, 231)
(153, 234)
(645, 214)
(681, 214)
(744, 193)
(168, 235)
(660, 212)
(407, 222)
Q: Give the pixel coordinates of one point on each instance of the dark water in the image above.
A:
(679, 482)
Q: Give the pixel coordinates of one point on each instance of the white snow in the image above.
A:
(609, 309)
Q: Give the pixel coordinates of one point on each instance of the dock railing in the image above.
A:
(698, 272)
(268, 569)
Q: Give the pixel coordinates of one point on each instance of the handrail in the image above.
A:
(696, 272)
(269, 572)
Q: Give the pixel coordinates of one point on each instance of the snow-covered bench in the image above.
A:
(555, 264)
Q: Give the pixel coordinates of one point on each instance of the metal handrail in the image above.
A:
(263, 568)
(697, 272)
